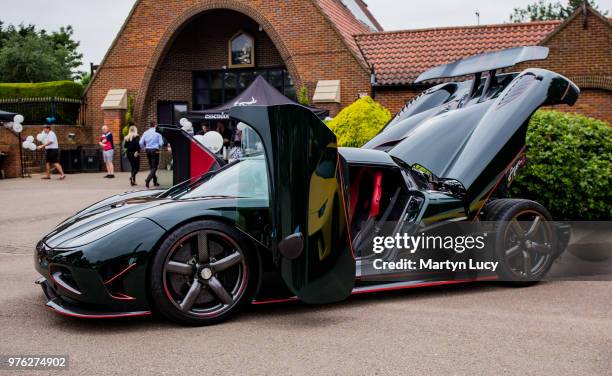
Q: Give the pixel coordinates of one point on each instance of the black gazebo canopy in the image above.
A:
(260, 93)
(6, 116)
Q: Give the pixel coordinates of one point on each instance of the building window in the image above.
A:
(241, 50)
(213, 88)
(170, 112)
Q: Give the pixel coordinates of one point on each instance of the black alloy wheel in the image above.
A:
(525, 243)
(201, 273)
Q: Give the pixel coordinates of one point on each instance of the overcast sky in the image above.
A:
(96, 22)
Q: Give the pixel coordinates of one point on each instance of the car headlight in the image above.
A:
(98, 233)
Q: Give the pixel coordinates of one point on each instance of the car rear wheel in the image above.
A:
(525, 240)
(201, 273)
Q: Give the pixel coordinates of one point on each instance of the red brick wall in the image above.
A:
(310, 48)
(9, 143)
(593, 103)
(394, 100)
(203, 45)
(114, 120)
(582, 54)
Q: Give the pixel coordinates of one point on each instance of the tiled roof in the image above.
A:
(345, 23)
(398, 57)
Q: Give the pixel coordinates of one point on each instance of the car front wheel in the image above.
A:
(201, 273)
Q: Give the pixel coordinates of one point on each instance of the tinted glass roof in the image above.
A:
(359, 13)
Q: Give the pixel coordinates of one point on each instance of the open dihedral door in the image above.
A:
(310, 234)
(190, 158)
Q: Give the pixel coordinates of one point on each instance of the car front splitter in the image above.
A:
(60, 306)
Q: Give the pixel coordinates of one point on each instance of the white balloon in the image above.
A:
(213, 141)
(30, 139)
(32, 147)
(188, 129)
(41, 137)
(184, 122)
(18, 119)
(241, 126)
(17, 127)
(199, 138)
(26, 144)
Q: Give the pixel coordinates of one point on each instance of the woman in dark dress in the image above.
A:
(131, 145)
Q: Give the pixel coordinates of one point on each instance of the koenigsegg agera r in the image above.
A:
(296, 216)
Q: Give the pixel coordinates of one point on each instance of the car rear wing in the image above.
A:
(486, 62)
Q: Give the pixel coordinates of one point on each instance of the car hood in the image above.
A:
(102, 213)
(460, 141)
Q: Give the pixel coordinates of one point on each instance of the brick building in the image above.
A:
(175, 55)
(172, 56)
(580, 48)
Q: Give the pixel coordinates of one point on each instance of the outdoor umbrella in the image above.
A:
(260, 93)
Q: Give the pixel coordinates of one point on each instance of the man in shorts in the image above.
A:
(51, 147)
(108, 151)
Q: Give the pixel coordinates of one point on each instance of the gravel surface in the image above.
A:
(553, 328)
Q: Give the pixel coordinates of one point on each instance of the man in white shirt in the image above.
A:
(152, 142)
(51, 147)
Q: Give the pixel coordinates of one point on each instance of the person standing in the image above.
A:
(152, 141)
(226, 133)
(51, 147)
(108, 151)
(131, 145)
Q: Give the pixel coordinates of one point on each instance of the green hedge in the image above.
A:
(58, 89)
(360, 122)
(569, 166)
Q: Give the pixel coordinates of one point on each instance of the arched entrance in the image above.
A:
(195, 66)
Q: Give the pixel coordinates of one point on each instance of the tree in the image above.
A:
(32, 59)
(85, 79)
(31, 55)
(63, 40)
(22, 30)
(543, 10)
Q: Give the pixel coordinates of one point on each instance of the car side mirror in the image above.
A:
(292, 246)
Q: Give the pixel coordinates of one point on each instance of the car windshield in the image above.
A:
(244, 178)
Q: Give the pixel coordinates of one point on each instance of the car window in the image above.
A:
(246, 178)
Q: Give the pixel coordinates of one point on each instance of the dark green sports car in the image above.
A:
(295, 218)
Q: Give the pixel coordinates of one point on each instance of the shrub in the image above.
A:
(569, 166)
(303, 98)
(129, 116)
(58, 89)
(360, 122)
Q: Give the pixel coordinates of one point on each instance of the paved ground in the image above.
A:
(553, 328)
